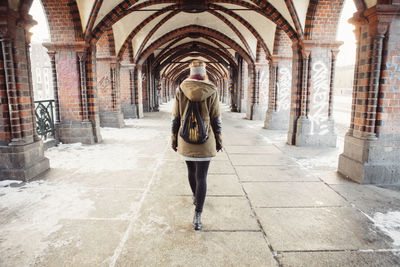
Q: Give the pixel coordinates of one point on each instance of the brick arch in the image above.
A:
(178, 56)
(124, 9)
(121, 11)
(151, 33)
(133, 33)
(64, 20)
(318, 27)
(186, 31)
(282, 44)
(105, 46)
(161, 57)
(235, 30)
(186, 51)
(92, 19)
(179, 69)
(269, 12)
(246, 24)
(295, 18)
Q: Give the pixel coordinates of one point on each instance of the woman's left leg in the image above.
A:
(201, 183)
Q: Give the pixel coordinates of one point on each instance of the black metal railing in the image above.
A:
(44, 111)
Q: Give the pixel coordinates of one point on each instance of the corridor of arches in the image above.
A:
(115, 66)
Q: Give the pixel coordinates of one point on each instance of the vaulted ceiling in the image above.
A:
(223, 27)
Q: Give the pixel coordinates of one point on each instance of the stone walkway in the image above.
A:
(127, 202)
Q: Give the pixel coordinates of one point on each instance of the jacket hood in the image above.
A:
(197, 90)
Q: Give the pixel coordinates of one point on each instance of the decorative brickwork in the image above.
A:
(322, 20)
(64, 20)
(21, 151)
(372, 143)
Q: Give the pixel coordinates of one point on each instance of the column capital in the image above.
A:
(59, 46)
(310, 44)
(112, 59)
(277, 58)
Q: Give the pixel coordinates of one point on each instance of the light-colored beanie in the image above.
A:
(197, 67)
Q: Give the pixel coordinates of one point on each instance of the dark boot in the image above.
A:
(197, 221)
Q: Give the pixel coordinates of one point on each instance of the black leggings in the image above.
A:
(197, 172)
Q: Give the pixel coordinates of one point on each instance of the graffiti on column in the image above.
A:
(263, 85)
(320, 99)
(67, 73)
(104, 84)
(393, 69)
(284, 85)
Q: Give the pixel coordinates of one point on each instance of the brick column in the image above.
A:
(314, 126)
(70, 60)
(128, 94)
(108, 81)
(21, 151)
(372, 144)
(278, 113)
(258, 81)
(140, 80)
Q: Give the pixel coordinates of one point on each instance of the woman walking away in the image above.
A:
(196, 130)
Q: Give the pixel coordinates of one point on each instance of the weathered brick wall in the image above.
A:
(104, 88)
(125, 85)
(68, 85)
(322, 19)
(388, 116)
(318, 97)
(64, 20)
(282, 44)
(361, 82)
(103, 47)
(19, 122)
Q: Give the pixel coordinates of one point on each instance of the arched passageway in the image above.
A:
(273, 61)
(113, 201)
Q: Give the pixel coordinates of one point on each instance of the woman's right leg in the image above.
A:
(191, 166)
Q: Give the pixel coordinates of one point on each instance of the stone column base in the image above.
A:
(277, 120)
(243, 106)
(114, 119)
(129, 111)
(255, 112)
(305, 136)
(69, 132)
(140, 110)
(370, 161)
(22, 162)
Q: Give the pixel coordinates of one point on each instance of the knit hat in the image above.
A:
(197, 67)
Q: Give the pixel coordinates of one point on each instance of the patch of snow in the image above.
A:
(31, 213)
(389, 223)
(9, 182)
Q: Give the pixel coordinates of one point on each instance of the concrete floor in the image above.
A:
(127, 202)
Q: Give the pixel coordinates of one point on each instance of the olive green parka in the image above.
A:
(204, 92)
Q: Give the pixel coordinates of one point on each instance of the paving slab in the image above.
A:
(82, 243)
(292, 194)
(132, 179)
(369, 198)
(354, 259)
(221, 167)
(196, 249)
(260, 159)
(176, 213)
(106, 205)
(331, 177)
(224, 185)
(300, 229)
(269, 149)
(274, 174)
